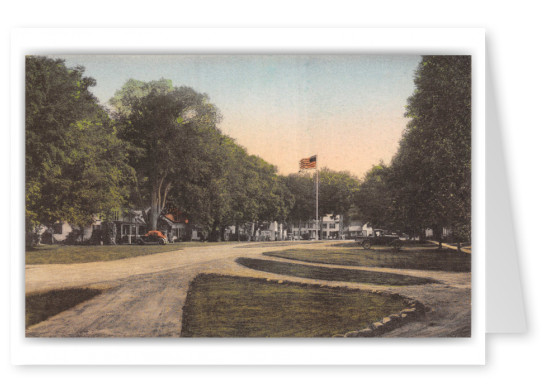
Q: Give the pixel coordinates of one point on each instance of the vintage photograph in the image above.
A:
(248, 196)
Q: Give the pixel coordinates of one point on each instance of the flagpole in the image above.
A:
(317, 191)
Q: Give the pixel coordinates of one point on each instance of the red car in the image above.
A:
(153, 237)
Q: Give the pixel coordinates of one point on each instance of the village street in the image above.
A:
(144, 296)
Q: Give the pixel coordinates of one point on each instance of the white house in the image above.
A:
(357, 228)
(330, 227)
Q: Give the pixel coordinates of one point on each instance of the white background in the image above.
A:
(517, 41)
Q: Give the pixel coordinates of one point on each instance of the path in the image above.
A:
(144, 296)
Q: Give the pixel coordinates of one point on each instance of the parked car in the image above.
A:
(153, 237)
(379, 237)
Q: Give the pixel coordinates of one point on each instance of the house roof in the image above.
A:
(173, 219)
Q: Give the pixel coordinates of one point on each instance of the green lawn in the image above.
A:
(47, 254)
(224, 306)
(420, 258)
(332, 274)
(41, 306)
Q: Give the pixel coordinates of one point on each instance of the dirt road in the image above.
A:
(144, 296)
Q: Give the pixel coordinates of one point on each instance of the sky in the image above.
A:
(346, 109)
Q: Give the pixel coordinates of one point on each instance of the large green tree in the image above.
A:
(336, 191)
(431, 173)
(75, 165)
(170, 130)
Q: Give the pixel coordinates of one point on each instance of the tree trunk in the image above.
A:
(222, 233)
(155, 212)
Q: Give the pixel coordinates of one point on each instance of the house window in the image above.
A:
(310, 225)
(126, 229)
(324, 225)
(331, 225)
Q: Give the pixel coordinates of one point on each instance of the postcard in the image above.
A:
(254, 198)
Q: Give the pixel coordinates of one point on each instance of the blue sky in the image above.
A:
(348, 109)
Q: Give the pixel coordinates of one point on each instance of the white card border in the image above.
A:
(245, 351)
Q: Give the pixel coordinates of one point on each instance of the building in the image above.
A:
(269, 230)
(173, 225)
(122, 226)
(330, 228)
(357, 228)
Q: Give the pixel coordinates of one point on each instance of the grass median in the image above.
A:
(48, 254)
(421, 258)
(41, 306)
(225, 306)
(332, 274)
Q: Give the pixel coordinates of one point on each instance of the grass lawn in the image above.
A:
(420, 258)
(47, 254)
(332, 274)
(224, 306)
(41, 306)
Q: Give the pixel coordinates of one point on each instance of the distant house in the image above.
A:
(129, 224)
(122, 226)
(330, 227)
(446, 232)
(357, 228)
(173, 225)
(63, 231)
(270, 230)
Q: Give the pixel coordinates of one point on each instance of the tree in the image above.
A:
(373, 198)
(75, 166)
(336, 191)
(169, 129)
(431, 172)
(302, 189)
(336, 194)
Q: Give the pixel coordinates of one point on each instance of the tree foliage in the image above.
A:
(428, 183)
(75, 165)
(182, 158)
(170, 130)
(433, 164)
(336, 193)
(373, 198)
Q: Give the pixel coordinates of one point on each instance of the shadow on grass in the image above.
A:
(417, 258)
(332, 274)
(226, 306)
(405, 243)
(41, 306)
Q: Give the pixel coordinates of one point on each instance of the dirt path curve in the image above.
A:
(144, 296)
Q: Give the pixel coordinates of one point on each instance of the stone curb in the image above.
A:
(414, 311)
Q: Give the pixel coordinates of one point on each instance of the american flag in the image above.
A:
(309, 162)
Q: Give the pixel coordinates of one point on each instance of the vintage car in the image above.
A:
(379, 237)
(153, 237)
